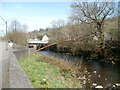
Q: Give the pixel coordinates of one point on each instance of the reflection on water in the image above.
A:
(100, 73)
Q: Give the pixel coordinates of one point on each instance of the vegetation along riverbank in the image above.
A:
(47, 72)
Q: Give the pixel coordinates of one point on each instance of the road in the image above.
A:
(4, 65)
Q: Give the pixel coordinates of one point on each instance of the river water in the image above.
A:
(95, 73)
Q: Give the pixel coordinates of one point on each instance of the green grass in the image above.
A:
(45, 75)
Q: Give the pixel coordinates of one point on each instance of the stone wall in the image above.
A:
(18, 78)
(21, 53)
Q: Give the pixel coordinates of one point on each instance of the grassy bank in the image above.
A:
(47, 72)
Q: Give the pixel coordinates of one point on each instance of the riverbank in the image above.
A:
(48, 72)
(113, 58)
(91, 73)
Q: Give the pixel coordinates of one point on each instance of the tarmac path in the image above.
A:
(4, 65)
(11, 73)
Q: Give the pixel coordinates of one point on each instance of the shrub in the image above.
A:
(18, 37)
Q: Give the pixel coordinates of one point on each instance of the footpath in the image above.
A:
(4, 65)
(13, 76)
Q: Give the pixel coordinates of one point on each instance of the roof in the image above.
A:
(37, 42)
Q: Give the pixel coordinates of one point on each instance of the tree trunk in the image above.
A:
(101, 39)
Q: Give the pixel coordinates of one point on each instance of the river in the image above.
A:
(96, 73)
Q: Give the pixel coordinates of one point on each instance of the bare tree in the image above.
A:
(17, 33)
(58, 23)
(15, 26)
(93, 12)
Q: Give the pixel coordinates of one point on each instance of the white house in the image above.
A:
(45, 39)
(36, 41)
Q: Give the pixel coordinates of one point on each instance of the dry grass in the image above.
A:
(63, 65)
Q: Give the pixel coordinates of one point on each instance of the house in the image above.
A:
(36, 43)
